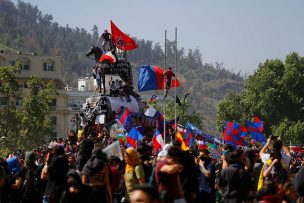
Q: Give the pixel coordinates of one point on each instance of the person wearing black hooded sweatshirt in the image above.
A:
(96, 174)
(84, 153)
(55, 172)
(75, 191)
(29, 175)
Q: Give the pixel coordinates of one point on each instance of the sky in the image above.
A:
(239, 33)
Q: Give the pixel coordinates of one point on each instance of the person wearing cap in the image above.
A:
(54, 171)
(106, 41)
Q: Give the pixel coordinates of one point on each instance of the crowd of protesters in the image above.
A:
(77, 170)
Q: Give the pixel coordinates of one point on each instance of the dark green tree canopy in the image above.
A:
(275, 92)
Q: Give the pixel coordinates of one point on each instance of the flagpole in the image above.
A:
(175, 76)
(165, 66)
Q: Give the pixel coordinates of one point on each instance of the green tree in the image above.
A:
(275, 92)
(183, 112)
(36, 109)
(9, 113)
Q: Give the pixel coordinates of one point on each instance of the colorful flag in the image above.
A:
(152, 78)
(256, 130)
(259, 123)
(202, 145)
(123, 116)
(153, 98)
(234, 134)
(125, 119)
(189, 138)
(133, 136)
(179, 137)
(160, 119)
(121, 40)
(108, 56)
(158, 141)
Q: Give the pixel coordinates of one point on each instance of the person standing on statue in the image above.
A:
(168, 74)
(106, 41)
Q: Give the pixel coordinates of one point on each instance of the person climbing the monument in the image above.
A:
(106, 41)
(98, 77)
(168, 74)
(113, 88)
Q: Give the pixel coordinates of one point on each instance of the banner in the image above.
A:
(116, 103)
(142, 120)
(113, 150)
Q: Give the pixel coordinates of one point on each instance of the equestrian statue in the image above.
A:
(122, 68)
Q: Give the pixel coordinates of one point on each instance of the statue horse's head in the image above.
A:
(96, 51)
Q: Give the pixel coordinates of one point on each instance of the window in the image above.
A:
(12, 63)
(25, 66)
(49, 66)
(53, 121)
(2, 61)
(19, 102)
(24, 62)
(23, 85)
(3, 101)
(53, 102)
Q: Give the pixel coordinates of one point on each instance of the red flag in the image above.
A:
(121, 40)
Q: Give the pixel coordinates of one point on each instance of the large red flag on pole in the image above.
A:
(121, 40)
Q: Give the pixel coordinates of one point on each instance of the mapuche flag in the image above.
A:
(121, 40)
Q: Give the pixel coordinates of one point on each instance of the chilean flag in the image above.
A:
(152, 78)
(158, 141)
(121, 40)
(108, 56)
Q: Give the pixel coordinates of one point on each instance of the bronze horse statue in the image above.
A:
(121, 68)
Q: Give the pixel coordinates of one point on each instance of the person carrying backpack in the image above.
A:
(29, 175)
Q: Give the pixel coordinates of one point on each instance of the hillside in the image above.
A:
(24, 27)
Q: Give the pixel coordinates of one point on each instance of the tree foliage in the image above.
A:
(183, 113)
(275, 92)
(36, 108)
(9, 114)
(28, 126)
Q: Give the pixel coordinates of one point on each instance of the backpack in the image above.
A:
(30, 186)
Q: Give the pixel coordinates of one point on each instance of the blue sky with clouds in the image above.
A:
(239, 33)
